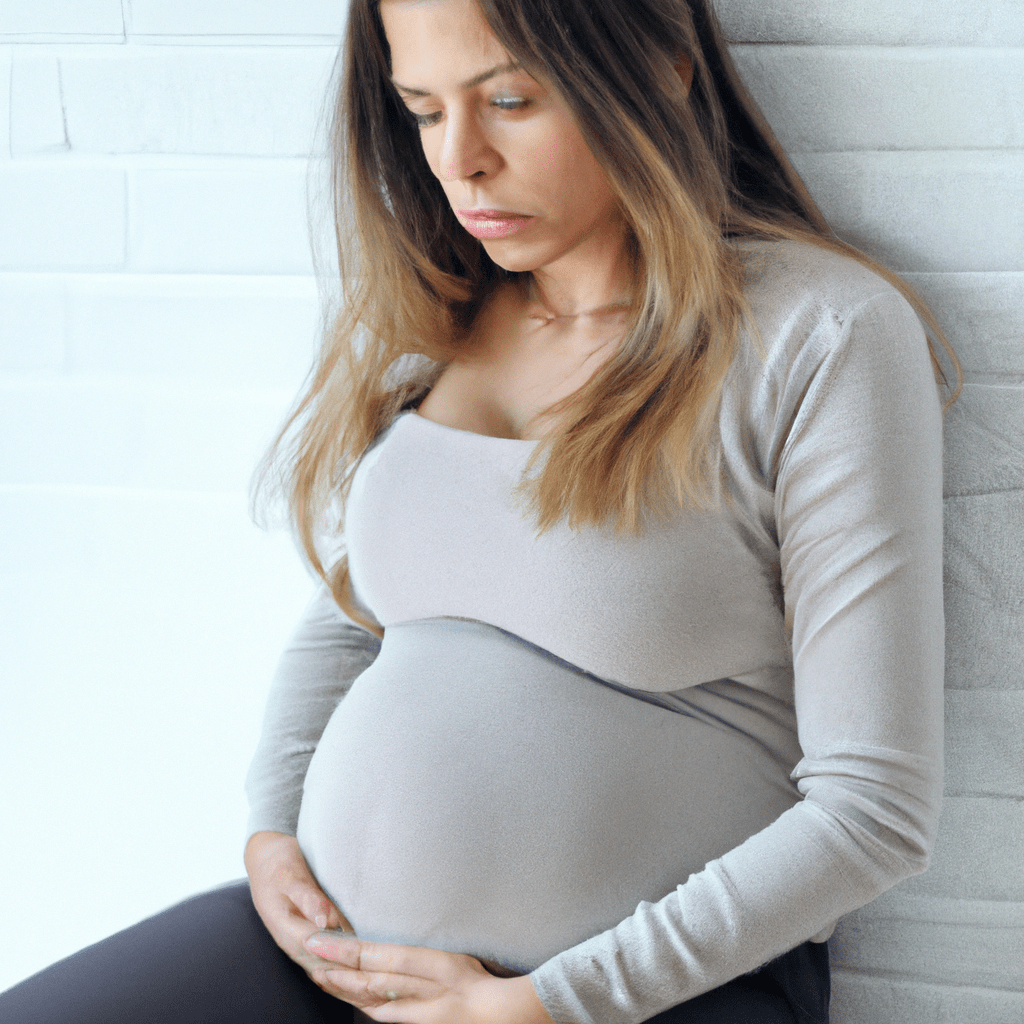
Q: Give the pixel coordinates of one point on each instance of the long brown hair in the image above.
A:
(693, 170)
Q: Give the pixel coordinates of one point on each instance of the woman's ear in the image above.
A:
(684, 67)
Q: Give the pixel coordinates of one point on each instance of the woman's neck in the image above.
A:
(584, 284)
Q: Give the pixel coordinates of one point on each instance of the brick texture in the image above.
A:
(61, 216)
(27, 19)
(235, 218)
(37, 105)
(139, 626)
(130, 435)
(32, 339)
(238, 18)
(5, 103)
(167, 99)
(229, 331)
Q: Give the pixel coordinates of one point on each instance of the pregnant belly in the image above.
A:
(472, 793)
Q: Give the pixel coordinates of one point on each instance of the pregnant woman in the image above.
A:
(624, 479)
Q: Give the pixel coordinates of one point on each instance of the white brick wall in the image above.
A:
(243, 217)
(36, 108)
(62, 216)
(238, 18)
(251, 331)
(168, 99)
(193, 21)
(157, 313)
(25, 20)
(5, 103)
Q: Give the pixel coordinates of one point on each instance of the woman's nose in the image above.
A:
(466, 152)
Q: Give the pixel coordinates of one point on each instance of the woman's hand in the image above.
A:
(423, 986)
(288, 899)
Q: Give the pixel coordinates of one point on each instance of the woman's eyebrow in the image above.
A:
(472, 83)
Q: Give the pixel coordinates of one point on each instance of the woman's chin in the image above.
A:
(515, 259)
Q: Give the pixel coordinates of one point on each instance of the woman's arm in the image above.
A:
(859, 521)
(326, 653)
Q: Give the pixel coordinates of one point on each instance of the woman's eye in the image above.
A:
(425, 120)
(501, 102)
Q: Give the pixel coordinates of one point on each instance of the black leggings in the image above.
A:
(209, 960)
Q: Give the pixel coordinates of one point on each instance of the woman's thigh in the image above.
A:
(208, 960)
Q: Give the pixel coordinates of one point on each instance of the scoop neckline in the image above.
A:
(532, 441)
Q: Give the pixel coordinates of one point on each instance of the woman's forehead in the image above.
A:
(447, 38)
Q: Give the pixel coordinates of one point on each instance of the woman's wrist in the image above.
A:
(515, 1001)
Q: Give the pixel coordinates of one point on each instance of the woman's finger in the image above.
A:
(311, 901)
(290, 923)
(387, 958)
(314, 906)
(368, 989)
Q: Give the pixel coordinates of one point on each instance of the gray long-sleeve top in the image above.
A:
(794, 636)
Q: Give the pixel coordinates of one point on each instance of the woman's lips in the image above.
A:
(493, 223)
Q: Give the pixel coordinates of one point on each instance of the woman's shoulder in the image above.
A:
(807, 300)
(825, 329)
(789, 276)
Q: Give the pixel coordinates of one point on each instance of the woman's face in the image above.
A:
(506, 150)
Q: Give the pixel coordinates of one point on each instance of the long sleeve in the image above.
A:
(325, 655)
(857, 476)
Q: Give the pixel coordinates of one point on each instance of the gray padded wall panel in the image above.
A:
(907, 122)
(869, 22)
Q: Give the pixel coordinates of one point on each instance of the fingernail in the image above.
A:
(321, 920)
